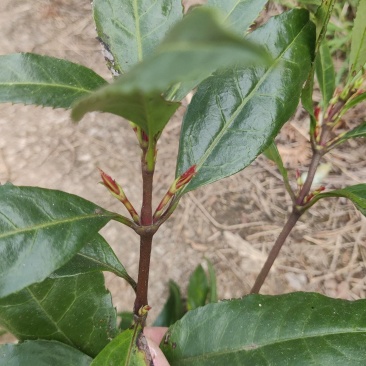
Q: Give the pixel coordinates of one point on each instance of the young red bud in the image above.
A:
(110, 183)
(186, 177)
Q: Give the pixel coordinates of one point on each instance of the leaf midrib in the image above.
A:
(50, 224)
(244, 102)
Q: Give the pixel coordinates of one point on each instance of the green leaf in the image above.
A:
(322, 17)
(293, 329)
(212, 282)
(95, 256)
(128, 349)
(42, 353)
(359, 131)
(198, 289)
(358, 44)
(193, 49)
(127, 318)
(239, 14)
(131, 30)
(34, 79)
(236, 113)
(77, 311)
(356, 193)
(325, 73)
(41, 230)
(173, 309)
(352, 102)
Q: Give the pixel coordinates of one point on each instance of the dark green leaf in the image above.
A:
(235, 114)
(357, 194)
(128, 349)
(42, 353)
(34, 79)
(127, 318)
(325, 73)
(96, 255)
(239, 14)
(212, 282)
(295, 329)
(173, 309)
(358, 45)
(132, 29)
(198, 289)
(193, 49)
(77, 311)
(41, 230)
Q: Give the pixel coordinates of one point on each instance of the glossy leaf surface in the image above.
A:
(132, 29)
(96, 255)
(128, 349)
(42, 353)
(173, 309)
(325, 73)
(192, 50)
(357, 194)
(294, 329)
(41, 230)
(46, 81)
(235, 114)
(77, 311)
(198, 289)
(358, 44)
(239, 14)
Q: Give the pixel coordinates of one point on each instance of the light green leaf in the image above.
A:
(358, 44)
(96, 255)
(236, 113)
(42, 353)
(239, 14)
(131, 30)
(77, 311)
(294, 329)
(198, 289)
(356, 193)
(192, 50)
(34, 79)
(211, 282)
(173, 309)
(128, 349)
(325, 73)
(322, 17)
(41, 230)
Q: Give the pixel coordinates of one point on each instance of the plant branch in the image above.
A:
(147, 169)
(291, 222)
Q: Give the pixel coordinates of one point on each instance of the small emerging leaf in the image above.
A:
(77, 311)
(46, 81)
(42, 353)
(198, 289)
(359, 131)
(325, 73)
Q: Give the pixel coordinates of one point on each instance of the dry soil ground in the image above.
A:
(233, 223)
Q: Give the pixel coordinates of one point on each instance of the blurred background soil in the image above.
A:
(233, 223)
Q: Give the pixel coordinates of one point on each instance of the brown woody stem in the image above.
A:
(146, 236)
